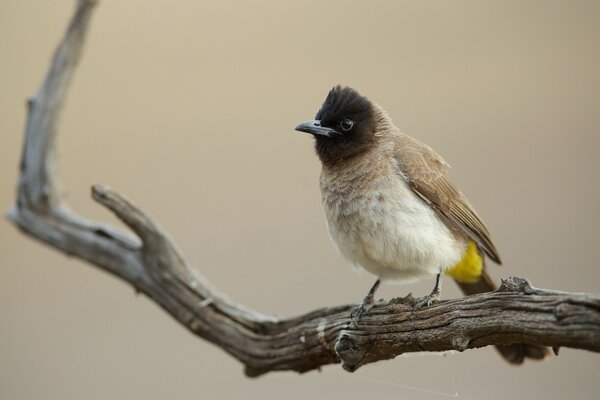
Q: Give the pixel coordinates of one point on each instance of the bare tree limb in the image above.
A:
(515, 313)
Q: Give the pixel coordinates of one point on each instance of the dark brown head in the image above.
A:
(344, 127)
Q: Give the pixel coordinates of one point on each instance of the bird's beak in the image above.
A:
(314, 128)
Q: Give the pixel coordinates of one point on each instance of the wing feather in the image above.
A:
(426, 172)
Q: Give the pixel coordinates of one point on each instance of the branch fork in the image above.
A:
(515, 313)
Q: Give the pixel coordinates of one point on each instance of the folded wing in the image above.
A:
(426, 172)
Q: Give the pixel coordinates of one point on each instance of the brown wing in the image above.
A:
(426, 173)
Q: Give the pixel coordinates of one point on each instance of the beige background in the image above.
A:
(188, 107)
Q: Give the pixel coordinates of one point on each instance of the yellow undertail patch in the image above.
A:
(469, 268)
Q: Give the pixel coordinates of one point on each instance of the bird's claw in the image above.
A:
(360, 310)
(426, 301)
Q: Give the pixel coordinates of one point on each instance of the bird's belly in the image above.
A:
(398, 239)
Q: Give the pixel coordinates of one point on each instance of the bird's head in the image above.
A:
(345, 126)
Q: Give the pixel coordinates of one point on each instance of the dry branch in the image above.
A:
(516, 313)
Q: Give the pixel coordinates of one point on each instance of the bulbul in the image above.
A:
(391, 209)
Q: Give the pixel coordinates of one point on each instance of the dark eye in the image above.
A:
(346, 124)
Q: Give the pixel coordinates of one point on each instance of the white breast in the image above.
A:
(381, 225)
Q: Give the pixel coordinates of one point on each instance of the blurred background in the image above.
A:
(188, 108)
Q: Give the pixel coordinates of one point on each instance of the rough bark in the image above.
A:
(515, 313)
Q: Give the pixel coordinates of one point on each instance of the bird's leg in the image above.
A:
(366, 304)
(435, 293)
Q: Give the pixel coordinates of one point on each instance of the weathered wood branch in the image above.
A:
(515, 313)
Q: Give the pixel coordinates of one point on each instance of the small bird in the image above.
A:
(391, 209)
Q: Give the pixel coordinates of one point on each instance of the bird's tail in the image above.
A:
(471, 276)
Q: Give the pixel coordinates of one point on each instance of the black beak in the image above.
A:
(314, 128)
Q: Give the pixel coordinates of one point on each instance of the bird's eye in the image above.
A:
(346, 124)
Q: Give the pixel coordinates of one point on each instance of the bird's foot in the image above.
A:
(426, 301)
(365, 306)
(360, 310)
(432, 298)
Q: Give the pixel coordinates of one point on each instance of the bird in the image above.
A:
(392, 210)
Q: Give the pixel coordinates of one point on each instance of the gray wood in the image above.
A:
(152, 264)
